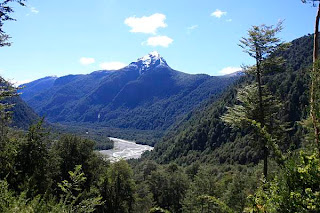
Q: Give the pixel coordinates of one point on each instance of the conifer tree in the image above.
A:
(261, 44)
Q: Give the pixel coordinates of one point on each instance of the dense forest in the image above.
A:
(254, 149)
(205, 137)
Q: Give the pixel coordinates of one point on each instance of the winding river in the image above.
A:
(124, 149)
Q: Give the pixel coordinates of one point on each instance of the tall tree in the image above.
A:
(261, 44)
(7, 90)
(315, 76)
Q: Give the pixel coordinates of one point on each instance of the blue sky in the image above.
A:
(62, 37)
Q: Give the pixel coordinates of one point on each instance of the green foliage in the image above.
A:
(295, 190)
(314, 104)
(117, 188)
(71, 151)
(219, 188)
(212, 204)
(203, 137)
(7, 90)
(74, 196)
(261, 44)
(144, 198)
(12, 109)
(11, 202)
(245, 114)
(168, 187)
(33, 159)
(41, 174)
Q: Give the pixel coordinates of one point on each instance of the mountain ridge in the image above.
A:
(145, 95)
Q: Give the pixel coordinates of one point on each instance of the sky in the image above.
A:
(62, 37)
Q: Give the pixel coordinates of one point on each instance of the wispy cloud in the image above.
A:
(146, 24)
(114, 65)
(229, 70)
(163, 41)
(86, 61)
(229, 20)
(34, 10)
(218, 13)
(191, 28)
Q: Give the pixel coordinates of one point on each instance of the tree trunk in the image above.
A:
(315, 80)
(261, 120)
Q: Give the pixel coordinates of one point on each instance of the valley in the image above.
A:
(94, 119)
(191, 149)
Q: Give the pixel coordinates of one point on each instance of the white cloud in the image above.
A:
(229, 70)
(218, 13)
(34, 10)
(146, 24)
(86, 61)
(229, 20)
(115, 65)
(163, 41)
(191, 28)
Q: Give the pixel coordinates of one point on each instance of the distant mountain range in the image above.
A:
(145, 95)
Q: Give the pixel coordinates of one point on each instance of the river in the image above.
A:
(124, 149)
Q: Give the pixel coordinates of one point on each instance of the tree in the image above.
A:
(7, 90)
(244, 115)
(72, 151)
(169, 187)
(296, 188)
(261, 44)
(315, 77)
(74, 196)
(33, 161)
(117, 188)
(5, 15)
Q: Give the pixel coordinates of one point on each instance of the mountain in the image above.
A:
(203, 137)
(22, 115)
(36, 87)
(145, 95)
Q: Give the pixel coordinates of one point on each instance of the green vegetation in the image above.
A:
(204, 137)
(213, 160)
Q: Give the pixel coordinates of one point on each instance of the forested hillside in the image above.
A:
(23, 116)
(205, 137)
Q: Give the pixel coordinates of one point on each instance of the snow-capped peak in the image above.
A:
(153, 59)
(155, 54)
